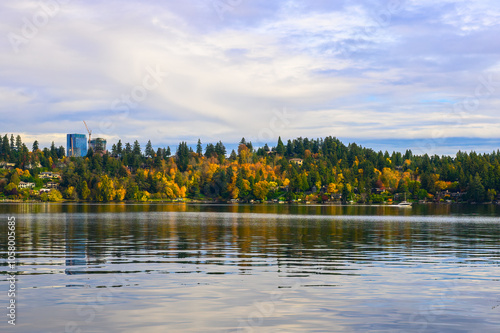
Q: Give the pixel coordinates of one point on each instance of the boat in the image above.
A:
(404, 203)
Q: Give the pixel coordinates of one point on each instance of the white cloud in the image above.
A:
(225, 79)
(472, 16)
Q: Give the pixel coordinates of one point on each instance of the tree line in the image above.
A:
(301, 169)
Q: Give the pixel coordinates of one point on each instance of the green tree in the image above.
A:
(476, 191)
(199, 148)
(15, 178)
(114, 151)
(85, 191)
(90, 152)
(5, 148)
(148, 151)
(128, 148)
(233, 156)
(137, 149)
(289, 148)
(19, 143)
(53, 150)
(280, 148)
(158, 158)
(182, 156)
(220, 150)
(119, 148)
(12, 145)
(11, 189)
(35, 146)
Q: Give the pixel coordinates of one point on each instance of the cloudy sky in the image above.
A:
(415, 72)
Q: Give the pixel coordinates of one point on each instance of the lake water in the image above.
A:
(243, 268)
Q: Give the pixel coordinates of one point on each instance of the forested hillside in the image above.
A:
(315, 170)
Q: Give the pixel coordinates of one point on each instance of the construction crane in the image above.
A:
(90, 132)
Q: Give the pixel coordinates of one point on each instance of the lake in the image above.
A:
(243, 268)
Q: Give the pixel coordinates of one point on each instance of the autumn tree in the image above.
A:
(261, 189)
(84, 191)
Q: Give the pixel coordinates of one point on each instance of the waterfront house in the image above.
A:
(25, 185)
(49, 175)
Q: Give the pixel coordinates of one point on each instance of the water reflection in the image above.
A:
(76, 238)
(187, 267)
(93, 234)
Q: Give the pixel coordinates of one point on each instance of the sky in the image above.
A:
(417, 73)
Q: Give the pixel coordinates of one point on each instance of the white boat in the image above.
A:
(404, 203)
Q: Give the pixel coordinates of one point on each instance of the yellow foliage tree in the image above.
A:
(390, 178)
(70, 192)
(106, 189)
(441, 185)
(120, 194)
(234, 193)
(261, 189)
(332, 188)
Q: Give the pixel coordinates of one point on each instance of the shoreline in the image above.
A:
(282, 203)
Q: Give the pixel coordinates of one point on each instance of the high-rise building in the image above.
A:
(98, 144)
(77, 145)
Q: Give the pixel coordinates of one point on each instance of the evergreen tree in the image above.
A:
(12, 146)
(476, 191)
(149, 152)
(5, 148)
(19, 143)
(280, 148)
(53, 151)
(299, 147)
(35, 146)
(61, 152)
(119, 148)
(220, 150)
(233, 156)
(182, 156)
(289, 148)
(210, 150)
(158, 158)
(199, 148)
(137, 149)
(128, 148)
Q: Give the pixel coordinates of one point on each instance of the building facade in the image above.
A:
(98, 144)
(77, 145)
(49, 175)
(25, 185)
